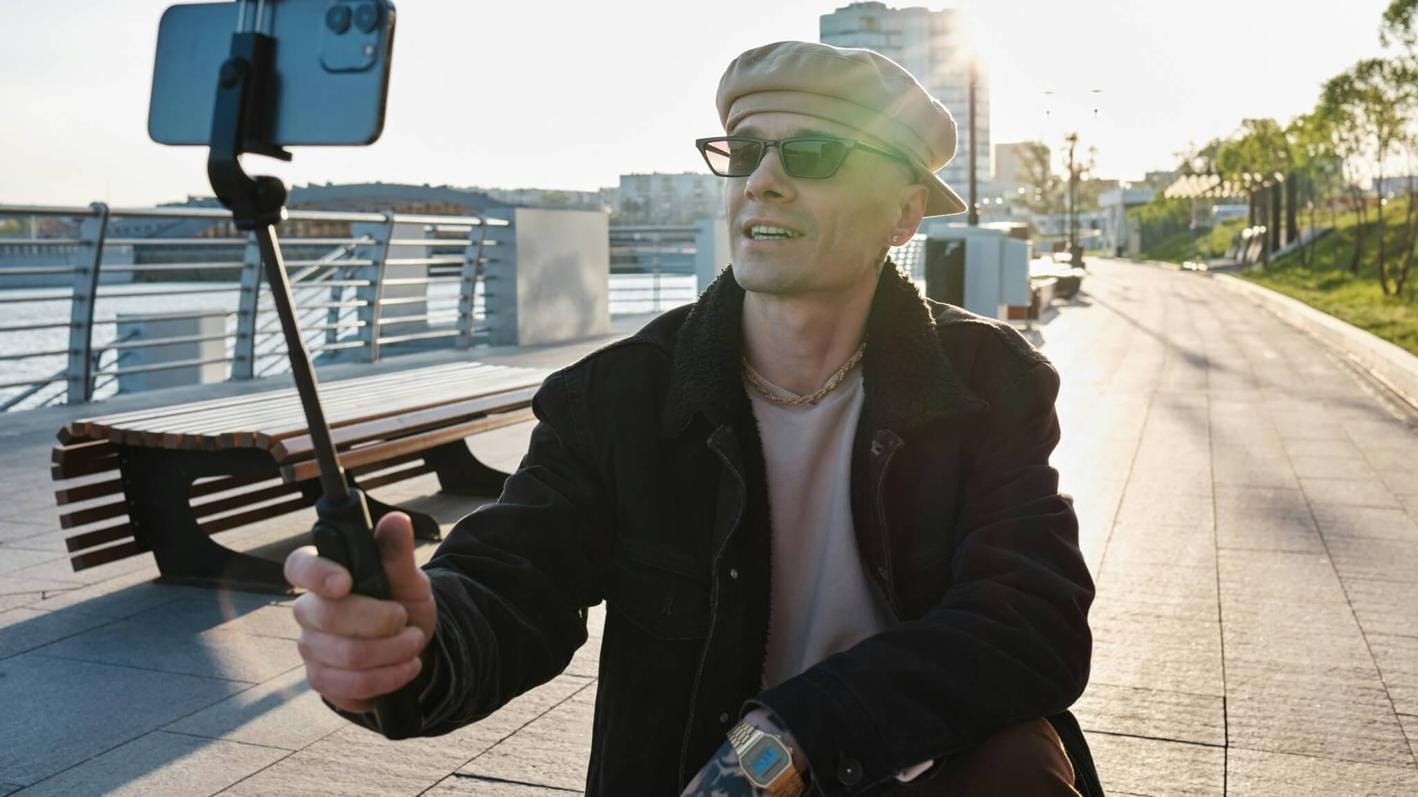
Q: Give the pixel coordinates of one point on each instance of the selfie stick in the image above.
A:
(240, 123)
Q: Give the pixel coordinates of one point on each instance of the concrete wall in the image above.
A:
(711, 250)
(550, 280)
(139, 326)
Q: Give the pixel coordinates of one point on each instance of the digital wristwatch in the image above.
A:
(766, 761)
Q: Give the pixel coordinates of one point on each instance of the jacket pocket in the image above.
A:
(660, 602)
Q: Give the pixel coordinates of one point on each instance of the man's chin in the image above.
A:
(758, 277)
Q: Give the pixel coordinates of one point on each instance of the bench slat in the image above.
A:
(309, 469)
(84, 517)
(251, 516)
(395, 476)
(71, 495)
(242, 499)
(301, 445)
(89, 539)
(225, 483)
(65, 470)
(83, 426)
(103, 556)
(524, 388)
(244, 430)
(177, 418)
(392, 398)
(77, 453)
(341, 411)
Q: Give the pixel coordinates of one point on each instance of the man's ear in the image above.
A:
(911, 208)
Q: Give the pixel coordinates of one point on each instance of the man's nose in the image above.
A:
(768, 180)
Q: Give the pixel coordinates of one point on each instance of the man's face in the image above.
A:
(841, 224)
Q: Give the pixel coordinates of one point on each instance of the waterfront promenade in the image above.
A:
(1247, 505)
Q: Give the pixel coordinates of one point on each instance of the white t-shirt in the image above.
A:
(822, 600)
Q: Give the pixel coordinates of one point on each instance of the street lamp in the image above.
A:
(1075, 251)
(1075, 248)
(973, 219)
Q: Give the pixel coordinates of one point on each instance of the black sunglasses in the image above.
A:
(807, 157)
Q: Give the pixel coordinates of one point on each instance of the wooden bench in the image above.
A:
(166, 479)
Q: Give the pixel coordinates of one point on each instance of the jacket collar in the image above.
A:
(907, 377)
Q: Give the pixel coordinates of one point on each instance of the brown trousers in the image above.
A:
(1022, 759)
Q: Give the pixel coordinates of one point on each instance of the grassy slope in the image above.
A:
(1327, 285)
(1211, 244)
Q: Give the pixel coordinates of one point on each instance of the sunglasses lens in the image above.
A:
(730, 158)
(812, 158)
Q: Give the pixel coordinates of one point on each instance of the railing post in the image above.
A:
(88, 260)
(500, 280)
(468, 286)
(659, 243)
(372, 295)
(337, 295)
(243, 363)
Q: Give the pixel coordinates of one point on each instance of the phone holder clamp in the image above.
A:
(241, 124)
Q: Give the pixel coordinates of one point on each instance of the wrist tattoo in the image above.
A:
(721, 777)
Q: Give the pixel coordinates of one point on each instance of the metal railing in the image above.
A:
(366, 285)
(652, 267)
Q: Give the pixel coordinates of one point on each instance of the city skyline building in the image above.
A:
(931, 46)
(668, 198)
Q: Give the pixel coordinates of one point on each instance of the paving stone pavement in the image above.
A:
(1246, 503)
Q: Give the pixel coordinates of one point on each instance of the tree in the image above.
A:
(1373, 101)
(1043, 190)
(1316, 167)
(1259, 158)
(1341, 117)
(1400, 25)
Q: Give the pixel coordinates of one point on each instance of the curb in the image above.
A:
(1390, 365)
(1153, 263)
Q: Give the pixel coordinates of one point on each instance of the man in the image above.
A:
(812, 501)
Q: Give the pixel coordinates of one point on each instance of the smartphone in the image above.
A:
(331, 68)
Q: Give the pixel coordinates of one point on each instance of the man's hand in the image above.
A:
(357, 648)
(723, 777)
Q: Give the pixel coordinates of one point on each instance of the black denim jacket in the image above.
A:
(644, 487)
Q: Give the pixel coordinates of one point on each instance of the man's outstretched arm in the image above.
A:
(512, 579)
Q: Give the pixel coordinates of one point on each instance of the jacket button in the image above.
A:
(849, 771)
(881, 571)
(733, 572)
(724, 717)
(876, 448)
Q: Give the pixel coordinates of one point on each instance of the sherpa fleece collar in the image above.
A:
(907, 378)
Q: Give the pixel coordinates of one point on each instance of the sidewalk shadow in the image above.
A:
(98, 670)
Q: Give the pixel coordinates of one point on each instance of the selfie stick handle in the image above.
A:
(342, 532)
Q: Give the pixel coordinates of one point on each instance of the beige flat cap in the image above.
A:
(858, 88)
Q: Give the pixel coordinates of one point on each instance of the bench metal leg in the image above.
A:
(156, 481)
(460, 472)
(425, 527)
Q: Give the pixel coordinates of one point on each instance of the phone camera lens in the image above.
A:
(366, 17)
(338, 18)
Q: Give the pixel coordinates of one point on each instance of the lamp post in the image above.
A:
(1075, 248)
(974, 218)
(1075, 251)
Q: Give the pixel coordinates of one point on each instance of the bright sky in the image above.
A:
(572, 94)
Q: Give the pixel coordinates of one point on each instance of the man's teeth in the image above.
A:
(760, 232)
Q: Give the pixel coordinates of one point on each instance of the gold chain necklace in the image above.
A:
(783, 401)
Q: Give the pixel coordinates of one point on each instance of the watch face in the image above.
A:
(764, 760)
